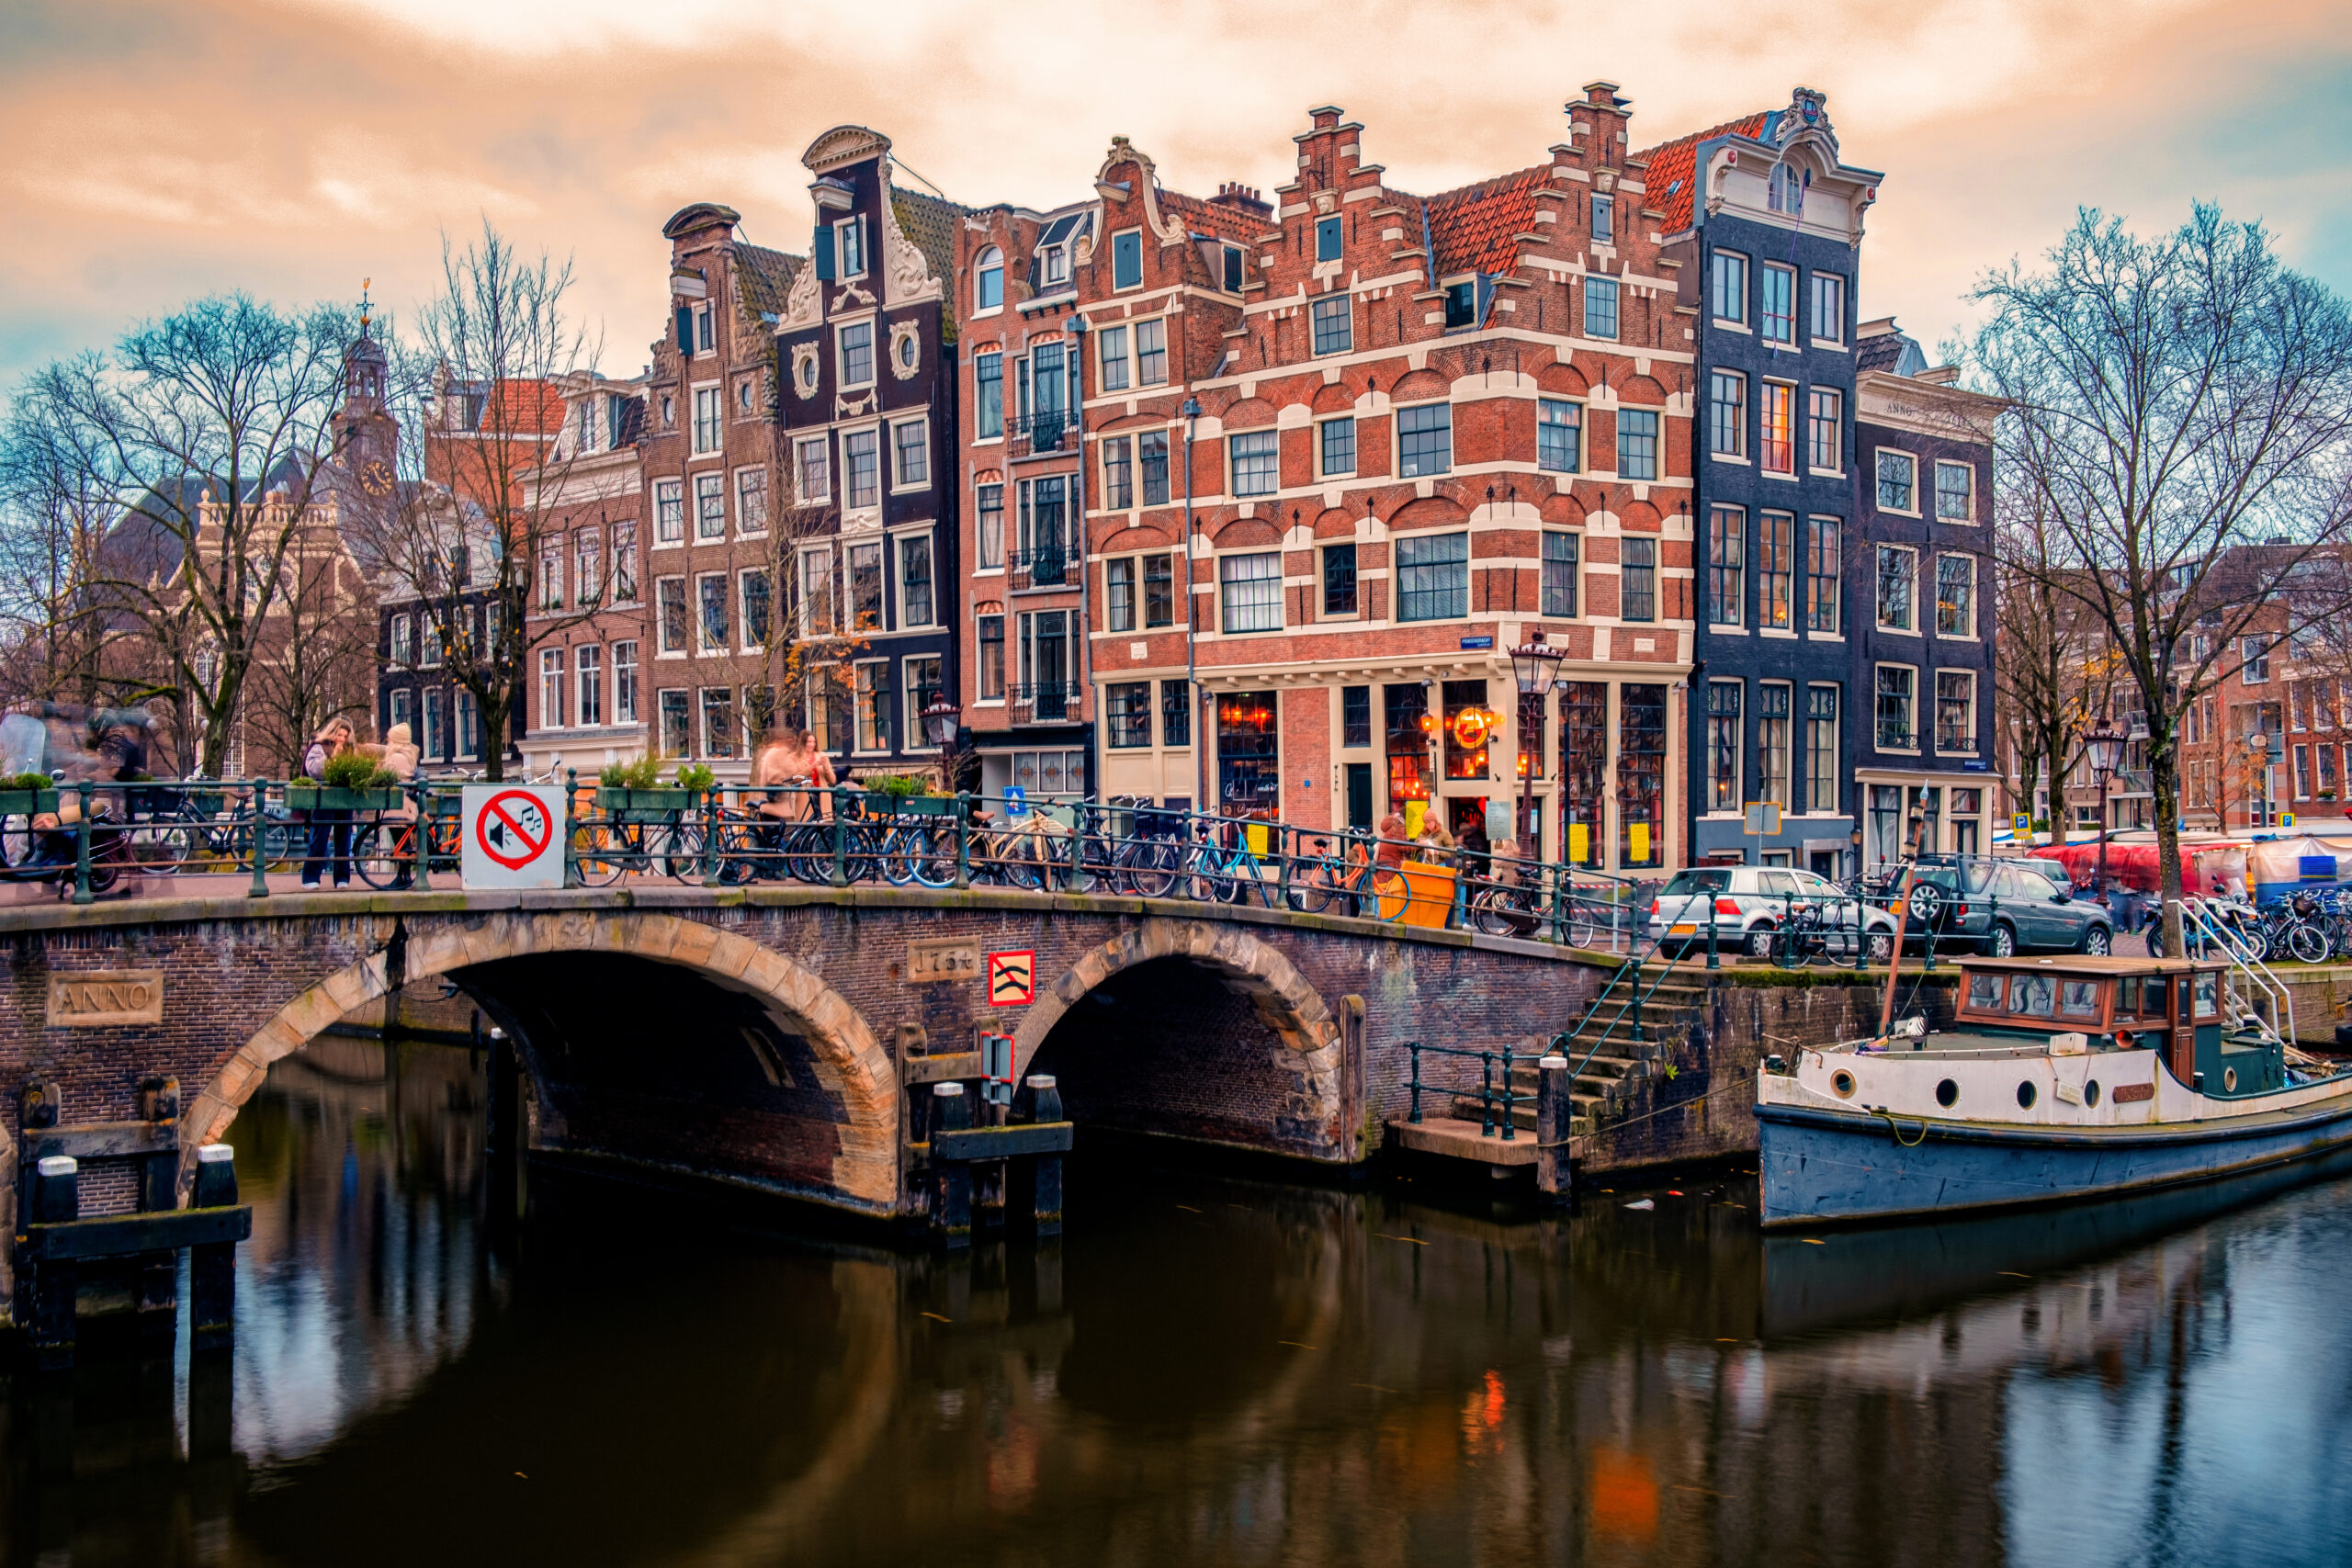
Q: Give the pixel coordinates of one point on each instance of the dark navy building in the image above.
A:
(1771, 246)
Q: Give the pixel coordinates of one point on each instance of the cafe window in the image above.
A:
(1249, 784)
(1640, 776)
(1584, 758)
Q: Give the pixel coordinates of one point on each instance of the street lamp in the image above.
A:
(1536, 665)
(2258, 745)
(2106, 747)
(939, 722)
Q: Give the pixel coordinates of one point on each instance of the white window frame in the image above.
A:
(898, 541)
(1878, 611)
(1878, 455)
(1765, 389)
(1116, 235)
(711, 396)
(990, 259)
(870, 433)
(849, 238)
(1941, 465)
(704, 646)
(403, 646)
(674, 494)
(900, 483)
(704, 488)
(1972, 748)
(1740, 451)
(587, 679)
(1974, 577)
(869, 678)
(1796, 304)
(813, 455)
(745, 633)
(1837, 337)
(1746, 278)
(551, 688)
(1396, 438)
(817, 560)
(625, 692)
(1913, 750)
(744, 527)
(841, 331)
(662, 648)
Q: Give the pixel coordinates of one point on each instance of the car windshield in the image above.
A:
(1698, 879)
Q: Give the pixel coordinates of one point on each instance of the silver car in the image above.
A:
(1746, 904)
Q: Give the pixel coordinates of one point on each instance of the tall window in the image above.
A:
(1776, 546)
(625, 683)
(1151, 457)
(1159, 590)
(1119, 592)
(1896, 567)
(922, 676)
(468, 738)
(1956, 492)
(1894, 731)
(1828, 308)
(916, 606)
(987, 280)
(677, 724)
(751, 500)
(862, 466)
(1779, 321)
(1127, 705)
(988, 641)
(1339, 580)
(1898, 483)
(1722, 745)
(988, 394)
(1256, 462)
(551, 688)
(1044, 654)
(588, 685)
(1561, 576)
(1334, 329)
(1726, 565)
(1559, 435)
(550, 585)
(1600, 307)
(437, 732)
(850, 246)
(588, 566)
(1955, 596)
(670, 613)
(1335, 442)
(1250, 587)
(624, 562)
(1637, 580)
(865, 587)
(1425, 439)
(1355, 715)
(1638, 443)
(1772, 744)
(706, 421)
(1432, 576)
(911, 439)
(1821, 562)
(718, 721)
(856, 341)
(1118, 473)
(1727, 287)
(1821, 748)
(810, 457)
(1825, 426)
(710, 596)
(1111, 358)
(669, 512)
(402, 646)
(1956, 712)
(710, 506)
(1044, 539)
(1728, 414)
(1777, 421)
(989, 506)
(873, 718)
(1175, 713)
(1151, 353)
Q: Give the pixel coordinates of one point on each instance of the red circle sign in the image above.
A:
(520, 821)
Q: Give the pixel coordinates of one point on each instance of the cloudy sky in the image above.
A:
(161, 148)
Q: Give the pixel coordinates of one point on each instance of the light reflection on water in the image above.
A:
(1203, 1372)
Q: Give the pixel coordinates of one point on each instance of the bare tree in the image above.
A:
(52, 522)
(2055, 676)
(2180, 409)
(319, 663)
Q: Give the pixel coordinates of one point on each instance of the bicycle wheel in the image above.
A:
(1384, 892)
(377, 854)
(2304, 942)
(163, 849)
(1313, 885)
(1491, 911)
(600, 853)
(1151, 867)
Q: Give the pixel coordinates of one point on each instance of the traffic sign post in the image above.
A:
(513, 836)
(1011, 979)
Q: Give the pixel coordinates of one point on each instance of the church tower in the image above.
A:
(367, 436)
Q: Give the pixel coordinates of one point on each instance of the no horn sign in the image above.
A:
(513, 836)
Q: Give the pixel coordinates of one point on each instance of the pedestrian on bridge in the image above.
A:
(329, 831)
(790, 761)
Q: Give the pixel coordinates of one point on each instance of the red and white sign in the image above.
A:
(1012, 979)
(513, 836)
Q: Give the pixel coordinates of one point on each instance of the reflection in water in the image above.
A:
(1201, 1372)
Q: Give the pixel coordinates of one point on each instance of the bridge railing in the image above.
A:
(83, 837)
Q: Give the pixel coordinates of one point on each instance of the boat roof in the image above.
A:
(2085, 964)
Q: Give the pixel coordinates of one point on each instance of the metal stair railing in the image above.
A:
(2258, 976)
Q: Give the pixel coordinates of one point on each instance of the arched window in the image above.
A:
(987, 280)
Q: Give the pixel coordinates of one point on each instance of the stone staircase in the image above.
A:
(1611, 1063)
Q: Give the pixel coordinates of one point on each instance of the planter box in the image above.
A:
(27, 802)
(882, 803)
(343, 800)
(1430, 894)
(646, 803)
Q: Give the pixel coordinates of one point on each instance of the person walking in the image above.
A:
(399, 756)
(330, 837)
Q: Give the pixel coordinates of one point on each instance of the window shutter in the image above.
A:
(685, 328)
(825, 252)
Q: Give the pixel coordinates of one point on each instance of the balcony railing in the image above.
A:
(1050, 566)
(1035, 434)
(1045, 702)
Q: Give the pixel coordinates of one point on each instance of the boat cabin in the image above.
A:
(2177, 1007)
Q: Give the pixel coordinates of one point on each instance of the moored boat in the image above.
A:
(2061, 1080)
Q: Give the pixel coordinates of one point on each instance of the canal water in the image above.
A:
(434, 1368)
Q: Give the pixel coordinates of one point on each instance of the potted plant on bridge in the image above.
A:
(634, 792)
(899, 795)
(28, 795)
(353, 781)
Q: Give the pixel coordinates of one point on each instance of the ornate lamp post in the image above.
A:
(939, 722)
(2106, 747)
(2264, 752)
(1536, 665)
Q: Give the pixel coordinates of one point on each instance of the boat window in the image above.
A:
(1985, 992)
(2034, 996)
(2079, 998)
(2153, 999)
(2208, 996)
(2127, 999)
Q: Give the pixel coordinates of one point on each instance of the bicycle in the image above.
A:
(1353, 877)
(383, 853)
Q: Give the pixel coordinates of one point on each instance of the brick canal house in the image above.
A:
(711, 468)
(587, 621)
(1763, 222)
(867, 414)
(1922, 629)
(1407, 433)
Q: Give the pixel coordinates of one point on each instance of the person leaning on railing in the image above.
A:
(399, 756)
(788, 767)
(1393, 844)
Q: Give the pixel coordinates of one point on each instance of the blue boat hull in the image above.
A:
(1829, 1167)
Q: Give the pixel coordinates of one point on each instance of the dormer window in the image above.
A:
(1233, 269)
(704, 343)
(850, 246)
(1787, 191)
(588, 425)
(987, 280)
(1053, 263)
(1461, 305)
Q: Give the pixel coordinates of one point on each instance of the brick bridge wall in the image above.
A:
(756, 1034)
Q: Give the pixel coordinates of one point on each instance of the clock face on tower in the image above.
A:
(375, 476)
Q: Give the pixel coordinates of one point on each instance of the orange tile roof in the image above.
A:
(1673, 170)
(524, 407)
(1477, 229)
(1224, 220)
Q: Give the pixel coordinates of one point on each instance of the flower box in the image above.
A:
(645, 805)
(882, 803)
(324, 799)
(27, 802)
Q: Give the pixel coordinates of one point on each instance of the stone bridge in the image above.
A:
(767, 1037)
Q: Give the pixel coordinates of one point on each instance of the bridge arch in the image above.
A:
(1288, 1090)
(851, 1063)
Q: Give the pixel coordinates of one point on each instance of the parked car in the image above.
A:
(1747, 903)
(2000, 907)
